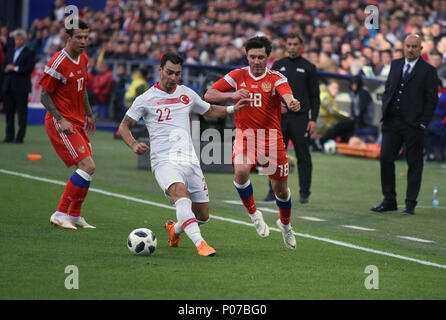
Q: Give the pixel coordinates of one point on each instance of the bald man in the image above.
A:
(408, 104)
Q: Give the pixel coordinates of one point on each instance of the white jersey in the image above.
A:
(167, 119)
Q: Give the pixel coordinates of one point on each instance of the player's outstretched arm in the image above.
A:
(49, 105)
(220, 111)
(215, 96)
(127, 137)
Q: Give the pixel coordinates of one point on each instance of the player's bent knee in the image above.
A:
(87, 166)
(176, 191)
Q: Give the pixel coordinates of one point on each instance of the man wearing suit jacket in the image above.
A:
(18, 66)
(409, 102)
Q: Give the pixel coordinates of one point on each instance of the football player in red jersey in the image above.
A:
(68, 120)
(258, 132)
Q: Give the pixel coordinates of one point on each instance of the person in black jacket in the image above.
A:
(18, 66)
(361, 116)
(409, 101)
(298, 126)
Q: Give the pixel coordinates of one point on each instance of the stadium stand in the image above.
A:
(210, 36)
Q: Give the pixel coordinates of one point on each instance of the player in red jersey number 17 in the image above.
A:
(68, 120)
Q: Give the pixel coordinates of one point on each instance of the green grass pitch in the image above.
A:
(329, 262)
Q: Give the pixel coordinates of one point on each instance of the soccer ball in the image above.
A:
(330, 146)
(141, 242)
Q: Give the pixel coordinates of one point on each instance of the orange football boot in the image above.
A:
(174, 239)
(205, 250)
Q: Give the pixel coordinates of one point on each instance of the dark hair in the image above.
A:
(294, 35)
(259, 43)
(82, 25)
(172, 57)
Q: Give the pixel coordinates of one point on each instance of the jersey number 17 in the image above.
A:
(80, 84)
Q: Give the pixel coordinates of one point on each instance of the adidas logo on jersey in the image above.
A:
(243, 84)
(71, 74)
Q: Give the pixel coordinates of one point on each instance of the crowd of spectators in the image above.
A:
(213, 32)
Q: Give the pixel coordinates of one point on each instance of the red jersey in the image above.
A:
(65, 79)
(265, 111)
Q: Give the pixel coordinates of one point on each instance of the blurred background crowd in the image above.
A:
(213, 32)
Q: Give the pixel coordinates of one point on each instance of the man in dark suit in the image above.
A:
(409, 102)
(18, 66)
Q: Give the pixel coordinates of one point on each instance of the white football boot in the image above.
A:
(62, 220)
(261, 227)
(288, 236)
(80, 222)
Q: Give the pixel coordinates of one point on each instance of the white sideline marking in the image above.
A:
(268, 209)
(358, 228)
(415, 239)
(303, 235)
(311, 218)
(233, 202)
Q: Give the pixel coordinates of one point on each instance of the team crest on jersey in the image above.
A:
(266, 86)
(81, 149)
(184, 99)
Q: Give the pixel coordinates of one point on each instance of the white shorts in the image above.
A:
(168, 173)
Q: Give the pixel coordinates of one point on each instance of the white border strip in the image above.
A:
(358, 228)
(311, 218)
(302, 235)
(415, 239)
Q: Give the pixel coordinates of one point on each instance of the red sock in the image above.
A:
(74, 194)
(78, 200)
(67, 197)
(284, 208)
(246, 194)
(285, 215)
(250, 204)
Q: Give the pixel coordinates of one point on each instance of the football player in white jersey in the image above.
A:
(165, 108)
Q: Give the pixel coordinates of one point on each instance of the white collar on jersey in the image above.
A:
(259, 77)
(69, 57)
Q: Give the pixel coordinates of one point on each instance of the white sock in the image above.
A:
(254, 216)
(178, 228)
(201, 222)
(187, 220)
(287, 227)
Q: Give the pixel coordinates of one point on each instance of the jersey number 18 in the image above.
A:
(257, 97)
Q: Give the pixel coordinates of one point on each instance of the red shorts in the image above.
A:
(71, 148)
(272, 158)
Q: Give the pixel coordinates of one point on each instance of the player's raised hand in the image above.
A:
(294, 105)
(241, 94)
(139, 147)
(242, 103)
